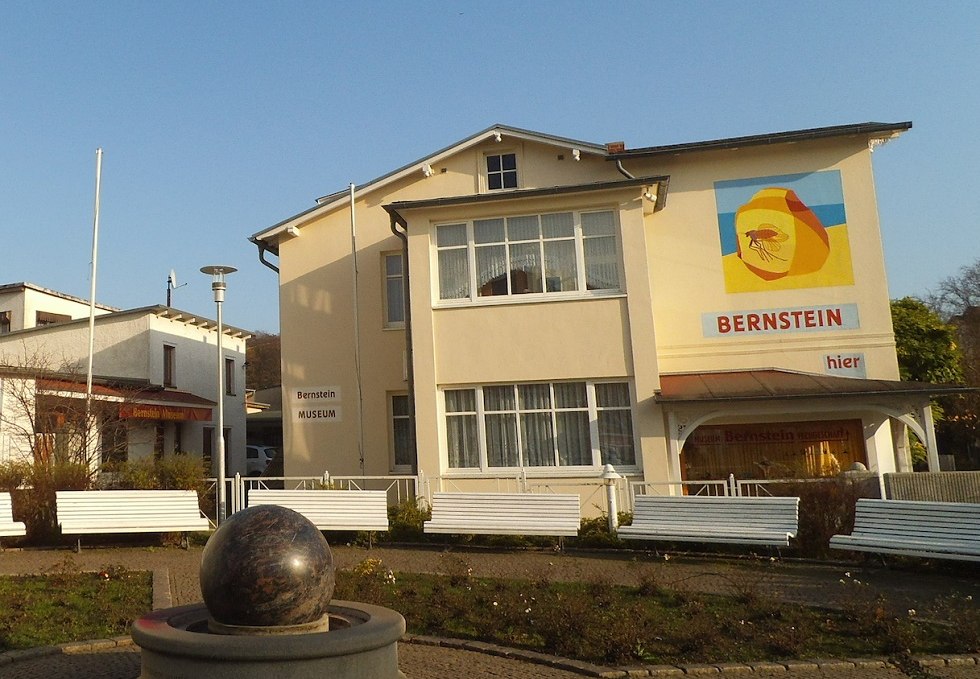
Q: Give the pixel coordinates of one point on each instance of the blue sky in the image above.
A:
(219, 119)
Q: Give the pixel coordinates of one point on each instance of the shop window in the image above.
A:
(560, 424)
(394, 291)
(114, 441)
(207, 449)
(501, 171)
(565, 253)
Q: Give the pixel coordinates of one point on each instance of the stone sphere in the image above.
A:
(267, 566)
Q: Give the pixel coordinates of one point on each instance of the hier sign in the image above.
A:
(845, 365)
(316, 404)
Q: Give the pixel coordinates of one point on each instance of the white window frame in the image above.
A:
(484, 468)
(388, 323)
(471, 247)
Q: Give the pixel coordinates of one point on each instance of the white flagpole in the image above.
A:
(91, 299)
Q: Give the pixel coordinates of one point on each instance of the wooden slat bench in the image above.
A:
(331, 509)
(90, 512)
(505, 514)
(940, 530)
(771, 521)
(9, 527)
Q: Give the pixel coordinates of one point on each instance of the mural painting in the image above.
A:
(784, 232)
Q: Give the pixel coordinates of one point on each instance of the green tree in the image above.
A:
(926, 346)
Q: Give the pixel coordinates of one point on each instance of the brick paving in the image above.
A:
(176, 584)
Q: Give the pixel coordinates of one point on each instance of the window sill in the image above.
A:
(591, 473)
(541, 298)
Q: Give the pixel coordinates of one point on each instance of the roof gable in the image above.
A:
(325, 204)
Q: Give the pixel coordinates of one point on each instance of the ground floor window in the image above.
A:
(557, 424)
(774, 450)
(400, 433)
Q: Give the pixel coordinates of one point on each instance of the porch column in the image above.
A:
(673, 452)
(932, 450)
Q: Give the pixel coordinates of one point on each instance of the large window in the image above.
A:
(394, 290)
(556, 253)
(560, 424)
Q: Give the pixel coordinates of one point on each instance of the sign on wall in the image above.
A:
(845, 365)
(316, 404)
(783, 232)
(784, 320)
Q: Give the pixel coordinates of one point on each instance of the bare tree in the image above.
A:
(955, 295)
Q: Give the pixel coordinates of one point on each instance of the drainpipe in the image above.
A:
(623, 171)
(262, 250)
(398, 220)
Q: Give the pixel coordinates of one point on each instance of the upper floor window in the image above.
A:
(560, 424)
(169, 365)
(4, 322)
(230, 376)
(394, 290)
(549, 253)
(502, 171)
(48, 318)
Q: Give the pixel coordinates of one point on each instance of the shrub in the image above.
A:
(36, 505)
(405, 521)
(13, 474)
(595, 532)
(826, 509)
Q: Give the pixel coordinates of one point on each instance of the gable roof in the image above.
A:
(329, 202)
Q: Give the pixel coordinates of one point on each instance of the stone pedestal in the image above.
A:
(361, 644)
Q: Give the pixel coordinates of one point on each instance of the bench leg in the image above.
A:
(78, 546)
(184, 541)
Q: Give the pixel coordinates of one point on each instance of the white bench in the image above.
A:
(504, 514)
(89, 512)
(331, 509)
(9, 527)
(737, 520)
(941, 530)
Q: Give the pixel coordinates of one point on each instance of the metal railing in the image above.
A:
(710, 488)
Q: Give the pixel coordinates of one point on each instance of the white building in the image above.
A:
(158, 363)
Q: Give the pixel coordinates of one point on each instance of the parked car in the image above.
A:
(257, 458)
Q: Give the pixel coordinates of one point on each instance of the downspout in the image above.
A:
(263, 248)
(622, 170)
(398, 220)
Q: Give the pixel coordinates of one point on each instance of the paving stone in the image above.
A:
(956, 660)
(867, 663)
(700, 669)
(798, 665)
(766, 666)
(929, 660)
(665, 671)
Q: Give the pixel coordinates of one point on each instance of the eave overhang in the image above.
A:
(774, 384)
(880, 131)
(661, 183)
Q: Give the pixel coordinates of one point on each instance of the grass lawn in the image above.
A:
(68, 605)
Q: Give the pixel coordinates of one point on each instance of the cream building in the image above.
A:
(525, 304)
(157, 363)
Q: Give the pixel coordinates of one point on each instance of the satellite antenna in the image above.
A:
(172, 284)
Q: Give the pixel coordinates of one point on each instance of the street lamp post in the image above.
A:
(217, 274)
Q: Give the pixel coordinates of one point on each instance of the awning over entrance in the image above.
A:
(753, 385)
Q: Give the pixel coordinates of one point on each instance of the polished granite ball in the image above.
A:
(267, 566)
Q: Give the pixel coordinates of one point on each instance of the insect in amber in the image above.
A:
(767, 241)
